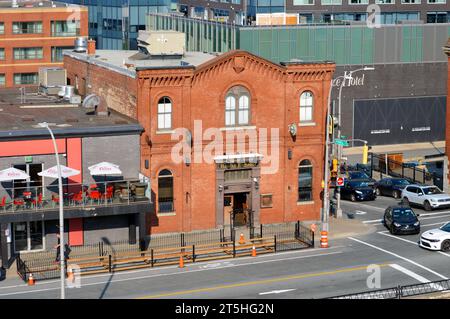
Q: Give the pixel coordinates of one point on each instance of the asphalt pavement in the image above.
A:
(349, 265)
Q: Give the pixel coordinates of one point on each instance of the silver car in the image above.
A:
(429, 197)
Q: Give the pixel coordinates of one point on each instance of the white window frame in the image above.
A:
(332, 3)
(244, 110)
(164, 111)
(303, 116)
(380, 2)
(230, 111)
(238, 105)
(304, 4)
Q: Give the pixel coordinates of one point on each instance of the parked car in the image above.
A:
(358, 189)
(401, 220)
(429, 197)
(436, 239)
(391, 186)
(352, 175)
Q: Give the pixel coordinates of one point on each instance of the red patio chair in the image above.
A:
(55, 200)
(78, 198)
(95, 195)
(19, 202)
(3, 203)
(37, 202)
(108, 196)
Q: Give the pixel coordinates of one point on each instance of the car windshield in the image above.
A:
(446, 228)
(431, 190)
(356, 175)
(403, 215)
(400, 182)
(360, 184)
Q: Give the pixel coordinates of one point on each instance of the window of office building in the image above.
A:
(164, 113)
(57, 53)
(437, 1)
(331, 2)
(165, 191)
(25, 78)
(28, 53)
(358, 1)
(411, 1)
(2, 28)
(2, 80)
(2, 54)
(27, 27)
(384, 1)
(65, 28)
(306, 107)
(238, 98)
(438, 17)
(303, 2)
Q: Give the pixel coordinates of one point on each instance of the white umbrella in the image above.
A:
(105, 168)
(12, 173)
(65, 172)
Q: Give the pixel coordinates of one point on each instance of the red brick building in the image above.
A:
(277, 180)
(33, 34)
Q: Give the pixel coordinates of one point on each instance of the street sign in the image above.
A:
(341, 142)
(340, 181)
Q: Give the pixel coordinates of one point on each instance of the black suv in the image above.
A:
(358, 189)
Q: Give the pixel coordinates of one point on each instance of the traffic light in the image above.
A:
(365, 153)
(335, 165)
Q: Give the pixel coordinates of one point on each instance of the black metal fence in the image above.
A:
(379, 166)
(400, 291)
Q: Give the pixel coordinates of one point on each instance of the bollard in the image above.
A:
(181, 265)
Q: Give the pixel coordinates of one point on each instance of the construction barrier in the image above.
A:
(323, 239)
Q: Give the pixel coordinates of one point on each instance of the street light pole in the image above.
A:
(339, 147)
(61, 213)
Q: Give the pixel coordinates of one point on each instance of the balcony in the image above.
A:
(79, 200)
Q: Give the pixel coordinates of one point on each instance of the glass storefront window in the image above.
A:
(28, 236)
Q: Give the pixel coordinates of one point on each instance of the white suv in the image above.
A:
(427, 196)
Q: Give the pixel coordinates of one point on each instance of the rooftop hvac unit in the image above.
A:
(51, 79)
(162, 43)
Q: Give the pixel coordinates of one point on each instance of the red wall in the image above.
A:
(36, 147)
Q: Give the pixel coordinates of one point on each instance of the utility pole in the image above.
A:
(339, 147)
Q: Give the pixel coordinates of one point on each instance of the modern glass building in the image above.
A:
(346, 44)
(114, 24)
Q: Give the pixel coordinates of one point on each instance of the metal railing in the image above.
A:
(400, 291)
(379, 168)
(38, 198)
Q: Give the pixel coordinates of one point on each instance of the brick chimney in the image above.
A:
(91, 47)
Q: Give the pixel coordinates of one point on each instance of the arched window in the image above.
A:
(305, 181)
(240, 97)
(164, 113)
(165, 191)
(306, 106)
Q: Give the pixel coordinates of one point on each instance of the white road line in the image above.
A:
(364, 205)
(151, 270)
(385, 233)
(275, 291)
(410, 273)
(436, 213)
(398, 256)
(373, 221)
(174, 273)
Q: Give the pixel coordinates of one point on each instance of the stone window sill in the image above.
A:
(310, 202)
(159, 132)
(165, 214)
(307, 124)
(238, 128)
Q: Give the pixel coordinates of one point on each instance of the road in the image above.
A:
(313, 273)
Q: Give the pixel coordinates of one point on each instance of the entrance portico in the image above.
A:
(237, 189)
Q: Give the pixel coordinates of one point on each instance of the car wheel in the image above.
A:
(427, 206)
(353, 197)
(378, 192)
(396, 194)
(445, 245)
(392, 230)
(405, 201)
